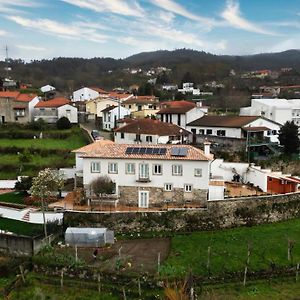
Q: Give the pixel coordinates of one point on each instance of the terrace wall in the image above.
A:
(218, 214)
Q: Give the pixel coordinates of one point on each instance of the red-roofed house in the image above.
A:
(16, 107)
(52, 110)
(181, 112)
(87, 93)
(150, 131)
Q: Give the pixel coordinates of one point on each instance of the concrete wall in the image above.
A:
(7, 184)
(219, 214)
(84, 94)
(69, 112)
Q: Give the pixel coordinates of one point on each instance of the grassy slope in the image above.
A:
(14, 197)
(229, 249)
(19, 227)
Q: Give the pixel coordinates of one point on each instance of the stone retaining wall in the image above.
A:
(218, 214)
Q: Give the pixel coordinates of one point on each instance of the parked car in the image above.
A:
(96, 135)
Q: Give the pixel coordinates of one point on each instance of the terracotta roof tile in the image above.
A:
(176, 107)
(224, 121)
(9, 94)
(26, 97)
(120, 96)
(154, 127)
(142, 100)
(56, 102)
(109, 108)
(17, 96)
(99, 90)
(108, 150)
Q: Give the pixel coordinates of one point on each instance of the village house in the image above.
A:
(188, 88)
(47, 88)
(87, 93)
(111, 115)
(277, 110)
(149, 131)
(16, 107)
(239, 127)
(148, 175)
(266, 180)
(52, 110)
(142, 106)
(181, 112)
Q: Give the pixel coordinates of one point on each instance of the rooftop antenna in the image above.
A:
(6, 53)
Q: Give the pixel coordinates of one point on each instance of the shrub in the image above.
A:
(24, 184)
(40, 124)
(103, 185)
(63, 123)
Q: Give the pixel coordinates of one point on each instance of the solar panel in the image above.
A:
(129, 150)
(155, 150)
(142, 150)
(149, 150)
(135, 150)
(176, 151)
(162, 151)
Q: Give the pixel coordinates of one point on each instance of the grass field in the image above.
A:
(19, 227)
(14, 197)
(41, 153)
(268, 243)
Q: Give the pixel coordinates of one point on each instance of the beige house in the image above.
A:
(142, 106)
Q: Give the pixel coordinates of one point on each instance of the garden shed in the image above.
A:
(88, 237)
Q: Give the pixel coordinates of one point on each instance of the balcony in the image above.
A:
(143, 179)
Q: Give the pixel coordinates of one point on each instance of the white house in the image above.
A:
(148, 175)
(188, 88)
(181, 112)
(235, 127)
(87, 93)
(52, 110)
(47, 88)
(111, 115)
(278, 110)
(150, 131)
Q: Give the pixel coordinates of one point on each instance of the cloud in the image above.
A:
(177, 9)
(71, 31)
(166, 16)
(3, 32)
(31, 48)
(113, 6)
(14, 6)
(233, 17)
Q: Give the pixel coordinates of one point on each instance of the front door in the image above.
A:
(143, 199)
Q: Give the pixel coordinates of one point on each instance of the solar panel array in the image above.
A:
(146, 150)
(176, 151)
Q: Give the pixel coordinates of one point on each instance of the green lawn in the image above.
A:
(269, 247)
(277, 289)
(14, 197)
(19, 227)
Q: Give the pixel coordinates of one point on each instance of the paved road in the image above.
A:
(90, 126)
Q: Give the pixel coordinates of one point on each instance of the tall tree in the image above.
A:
(47, 183)
(288, 138)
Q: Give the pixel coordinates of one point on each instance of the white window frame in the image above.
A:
(198, 172)
(188, 188)
(149, 138)
(130, 168)
(168, 187)
(144, 171)
(177, 170)
(95, 169)
(113, 168)
(155, 167)
(144, 202)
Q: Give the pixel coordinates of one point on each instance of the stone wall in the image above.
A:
(158, 196)
(218, 214)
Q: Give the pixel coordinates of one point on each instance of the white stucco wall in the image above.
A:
(114, 115)
(84, 94)
(215, 192)
(102, 103)
(62, 111)
(124, 179)
(7, 184)
(31, 106)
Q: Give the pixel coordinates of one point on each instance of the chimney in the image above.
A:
(207, 148)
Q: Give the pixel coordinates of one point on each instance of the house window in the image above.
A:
(149, 138)
(201, 131)
(269, 132)
(113, 168)
(144, 171)
(157, 169)
(138, 138)
(154, 107)
(208, 131)
(177, 170)
(198, 172)
(122, 135)
(129, 106)
(130, 168)
(221, 132)
(168, 187)
(150, 106)
(188, 188)
(95, 167)
(274, 132)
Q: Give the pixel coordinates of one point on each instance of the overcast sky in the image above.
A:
(37, 29)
